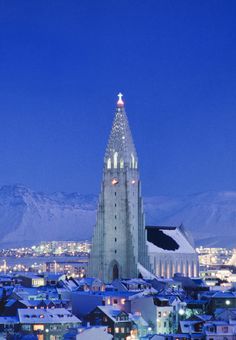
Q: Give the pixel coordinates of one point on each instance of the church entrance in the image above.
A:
(115, 272)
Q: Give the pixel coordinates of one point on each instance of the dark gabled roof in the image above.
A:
(156, 236)
(160, 227)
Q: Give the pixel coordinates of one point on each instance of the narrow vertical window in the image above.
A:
(132, 161)
(109, 163)
(115, 159)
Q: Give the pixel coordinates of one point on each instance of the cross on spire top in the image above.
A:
(120, 101)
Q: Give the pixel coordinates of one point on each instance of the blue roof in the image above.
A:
(225, 295)
(107, 293)
(196, 302)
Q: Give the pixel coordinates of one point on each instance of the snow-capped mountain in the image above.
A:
(27, 217)
(209, 216)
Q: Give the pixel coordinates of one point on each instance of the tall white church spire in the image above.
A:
(119, 241)
(120, 151)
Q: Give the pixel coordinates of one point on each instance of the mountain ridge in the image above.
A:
(28, 217)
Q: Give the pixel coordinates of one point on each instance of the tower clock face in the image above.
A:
(114, 181)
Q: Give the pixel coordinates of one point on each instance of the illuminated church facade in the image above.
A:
(119, 245)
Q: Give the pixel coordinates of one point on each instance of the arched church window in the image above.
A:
(109, 163)
(121, 163)
(115, 159)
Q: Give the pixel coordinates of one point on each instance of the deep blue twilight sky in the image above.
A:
(62, 64)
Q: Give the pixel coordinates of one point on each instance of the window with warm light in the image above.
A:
(38, 327)
(114, 181)
(117, 330)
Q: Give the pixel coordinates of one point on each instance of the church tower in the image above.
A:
(119, 240)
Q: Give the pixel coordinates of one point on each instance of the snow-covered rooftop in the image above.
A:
(46, 316)
(98, 333)
(4, 320)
